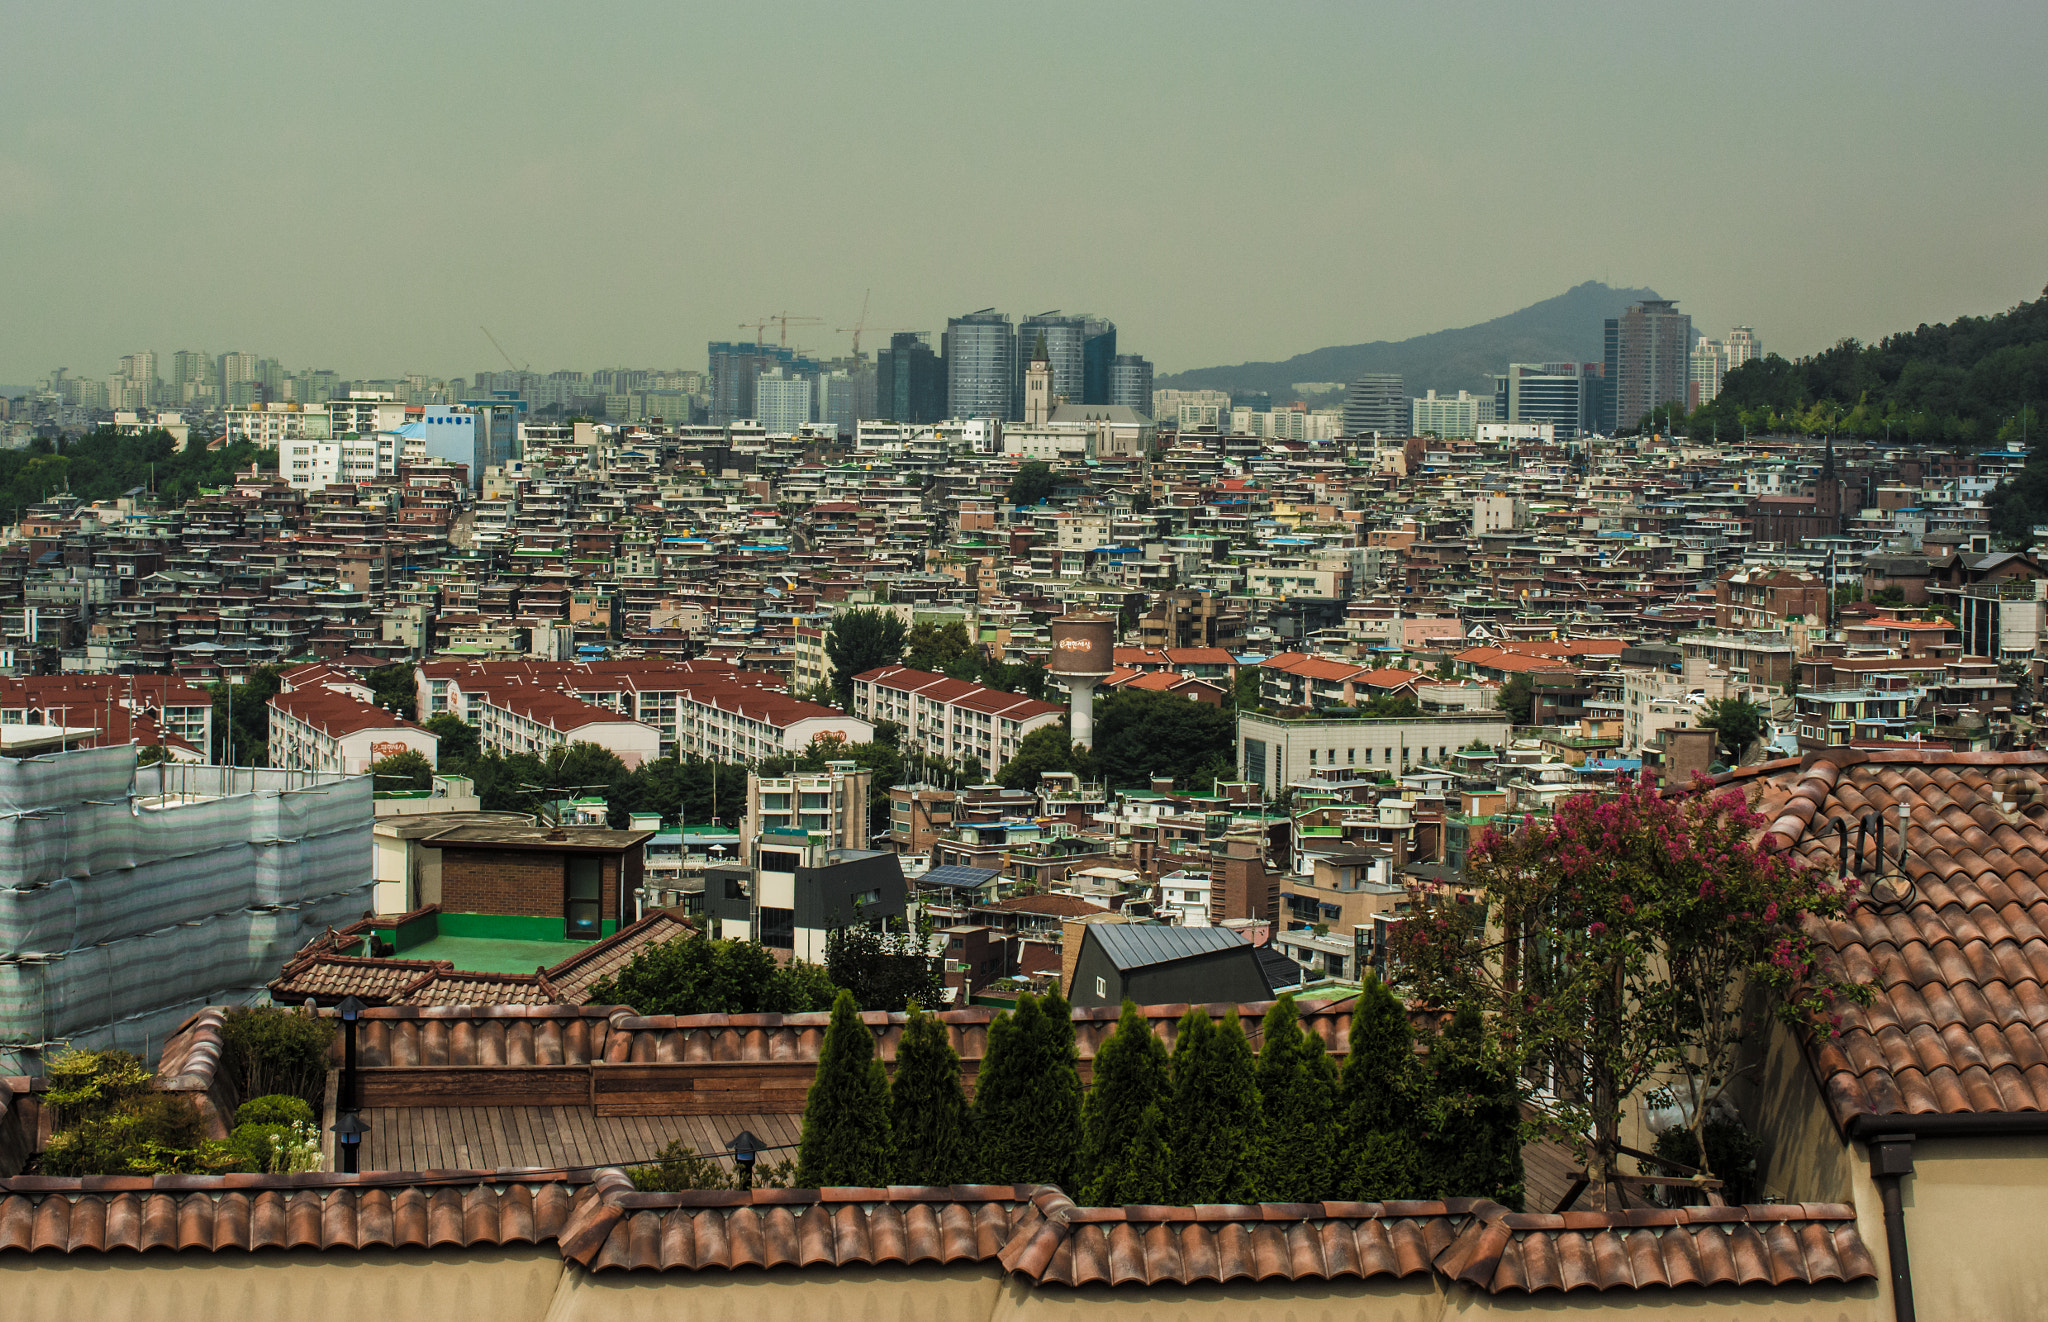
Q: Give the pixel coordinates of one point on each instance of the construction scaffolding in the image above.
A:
(130, 896)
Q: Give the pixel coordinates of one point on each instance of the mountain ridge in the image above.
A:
(1566, 328)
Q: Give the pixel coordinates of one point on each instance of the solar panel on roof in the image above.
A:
(956, 874)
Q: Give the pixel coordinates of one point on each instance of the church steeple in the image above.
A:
(1827, 464)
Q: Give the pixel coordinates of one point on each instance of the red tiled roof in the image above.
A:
(1960, 1015)
(1059, 906)
(1036, 1234)
(334, 713)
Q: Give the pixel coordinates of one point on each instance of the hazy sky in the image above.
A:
(360, 186)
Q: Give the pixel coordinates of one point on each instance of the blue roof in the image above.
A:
(1613, 764)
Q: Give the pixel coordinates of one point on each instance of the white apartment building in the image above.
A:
(1498, 514)
(320, 729)
(308, 464)
(515, 719)
(270, 425)
(705, 709)
(366, 411)
(1166, 403)
(1742, 345)
(950, 719)
(1709, 364)
(1288, 424)
(1505, 433)
(1184, 898)
(1276, 751)
(1448, 417)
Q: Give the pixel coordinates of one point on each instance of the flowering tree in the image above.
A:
(1616, 943)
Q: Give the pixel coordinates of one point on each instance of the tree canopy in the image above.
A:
(704, 975)
(928, 1112)
(1115, 1163)
(102, 465)
(858, 641)
(402, 771)
(1615, 945)
(1737, 723)
(1515, 698)
(1032, 484)
(847, 1137)
(1027, 1095)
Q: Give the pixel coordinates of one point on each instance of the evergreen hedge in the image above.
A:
(847, 1138)
(1119, 1163)
(1027, 1095)
(928, 1111)
(1215, 1135)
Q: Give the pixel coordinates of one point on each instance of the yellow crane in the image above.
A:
(785, 318)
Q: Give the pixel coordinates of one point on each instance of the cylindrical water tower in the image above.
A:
(1083, 654)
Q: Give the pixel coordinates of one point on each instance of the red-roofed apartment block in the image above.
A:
(951, 718)
(318, 729)
(696, 708)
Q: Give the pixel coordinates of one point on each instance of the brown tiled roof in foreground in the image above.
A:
(1960, 1021)
(1036, 1233)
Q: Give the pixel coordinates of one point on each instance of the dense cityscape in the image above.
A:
(1458, 734)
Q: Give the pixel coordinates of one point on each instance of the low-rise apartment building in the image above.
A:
(950, 719)
(1274, 752)
(322, 729)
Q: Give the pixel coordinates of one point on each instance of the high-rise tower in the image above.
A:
(981, 365)
(1649, 360)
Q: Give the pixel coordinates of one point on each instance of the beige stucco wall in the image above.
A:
(1976, 1227)
(1803, 1158)
(515, 1285)
(532, 1285)
(961, 1294)
(1417, 1299)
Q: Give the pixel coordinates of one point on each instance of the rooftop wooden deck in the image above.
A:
(419, 1138)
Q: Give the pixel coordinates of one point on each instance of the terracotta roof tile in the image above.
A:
(1037, 1234)
(1961, 968)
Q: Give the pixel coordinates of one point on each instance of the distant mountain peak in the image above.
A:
(1567, 328)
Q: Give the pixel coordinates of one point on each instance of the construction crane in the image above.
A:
(859, 324)
(760, 329)
(785, 319)
(501, 351)
(862, 325)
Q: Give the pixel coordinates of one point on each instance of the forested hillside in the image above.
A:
(101, 465)
(1961, 384)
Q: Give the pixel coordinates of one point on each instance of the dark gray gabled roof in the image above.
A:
(1281, 972)
(1142, 945)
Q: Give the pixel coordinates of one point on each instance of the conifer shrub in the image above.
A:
(928, 1109)
(274, 1109)
(111, 1121)
(1298, 1095)
(846, 1131)
(1379, 1096)
(1473, 1142)
(1027, 1095)
(267, 1050)
(1130, 1081)
(680, 1167)
(1216, 1133)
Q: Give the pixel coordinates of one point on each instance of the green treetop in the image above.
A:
(927, 1109)
(1130, 1080)
(847, 1138)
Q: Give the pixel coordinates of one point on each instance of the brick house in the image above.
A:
(582, 876)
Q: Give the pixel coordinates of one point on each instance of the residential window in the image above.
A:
(584, 902)
(778, 929)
